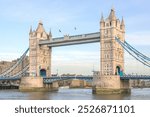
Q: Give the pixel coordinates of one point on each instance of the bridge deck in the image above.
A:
(53, 79)
(135, 77)
(87, 78)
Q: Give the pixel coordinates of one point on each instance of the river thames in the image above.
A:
(74, 94)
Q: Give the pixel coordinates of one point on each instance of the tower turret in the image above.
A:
(40, 27)
(50, 34)
(40, 31)
(112, 15)
(102, 23)
(30, 30)
(122, 25)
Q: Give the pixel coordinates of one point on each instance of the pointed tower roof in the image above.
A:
(30, 30)
(102, 18)
(112, 15)
(122, 22)
(50, 34)
(40, 27)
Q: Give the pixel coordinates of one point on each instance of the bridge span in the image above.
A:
(86, 78)
(72, 40)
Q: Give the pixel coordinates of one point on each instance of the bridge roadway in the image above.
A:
(54, 78)
(86, 78)
(135, 77)
(60, 78)
(72, 40)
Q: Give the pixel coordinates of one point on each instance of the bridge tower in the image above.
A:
(112, 57)
(39, 56)
(39, 62)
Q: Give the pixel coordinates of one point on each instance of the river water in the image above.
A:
(74, 94)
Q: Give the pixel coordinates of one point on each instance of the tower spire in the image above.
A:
(102, 18)
(122, 22)
(40, 27)
(30, 30)
(112, 15)
(112, 8)
(50, 33)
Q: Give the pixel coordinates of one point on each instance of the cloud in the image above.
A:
(9, 56)
(75, 61)
(138, 38)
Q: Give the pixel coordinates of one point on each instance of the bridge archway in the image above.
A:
(43, 72)
(119, 71)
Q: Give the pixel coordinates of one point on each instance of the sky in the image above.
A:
(16, 18)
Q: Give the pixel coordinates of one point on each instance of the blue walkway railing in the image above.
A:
(135, 77)
(86, 78)
(58, 78)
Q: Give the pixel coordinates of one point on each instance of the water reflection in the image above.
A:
(112, 97)
(73, 94)
(38, 96)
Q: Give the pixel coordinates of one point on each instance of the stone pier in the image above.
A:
(110, 85)
(76, 83)
(36, 84)
(112, 57)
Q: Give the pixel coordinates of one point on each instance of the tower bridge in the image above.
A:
(110, 79)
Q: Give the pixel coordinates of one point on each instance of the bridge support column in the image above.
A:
(108, 81)
(36, 84)
(55, 86)
(110, 85)
(76, 83)
(31, 83)
(39, 61)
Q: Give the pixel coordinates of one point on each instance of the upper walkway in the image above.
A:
(72, 40)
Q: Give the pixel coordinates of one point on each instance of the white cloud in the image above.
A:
(138, 38)
(79, 62)
(9, 56)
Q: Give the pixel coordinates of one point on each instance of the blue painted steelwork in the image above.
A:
(133, 52)
(58, 78)
(10, 78)
(6, 72)
(135, 77)
(49, 80)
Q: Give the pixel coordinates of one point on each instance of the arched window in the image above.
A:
(42, 72)
(107, 24)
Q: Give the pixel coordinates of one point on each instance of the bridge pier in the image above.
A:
(110, 85)
(108, 80)
(76, 83)
(36, 84)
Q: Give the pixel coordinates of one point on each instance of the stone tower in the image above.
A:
(39, 56)
(112, 54)
(39, 62)
(112, 57)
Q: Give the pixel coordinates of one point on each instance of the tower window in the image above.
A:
(107, 24)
